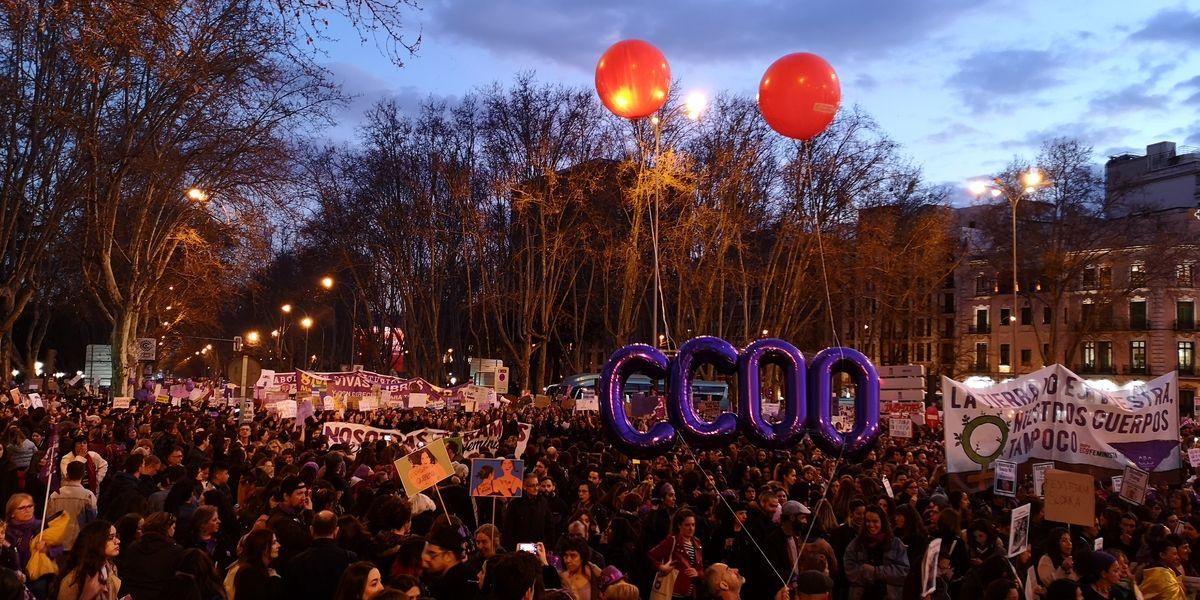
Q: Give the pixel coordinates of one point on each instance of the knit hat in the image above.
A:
(1097, 563)
(940, 499)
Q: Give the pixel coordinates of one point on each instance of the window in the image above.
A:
(1106, 355)
(981, 357)
(1187, 402)
(1137, 274)
(920, 352)
(1183, 274)
(1187, 356)
(983, 287)
(1004, 355)
(928, 327)
(1089, 355)
(1026, 357)
(981, 320)
(1137, 315)
(947, 353)
(1090, 278)
(1005, 317)
(948, 302)
(1137, 355)
(948, 329)
(1027, 315)
(1047, 315)
(1185, 315)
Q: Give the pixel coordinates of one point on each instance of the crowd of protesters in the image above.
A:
(161, 501)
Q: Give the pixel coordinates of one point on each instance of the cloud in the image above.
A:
(1171, 25)
(990, 79)
(1130, 98)
(955, 132)
(1084, 131)
(1190, 84)
(690, 30)
(365, 90)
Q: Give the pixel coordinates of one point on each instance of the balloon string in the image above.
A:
(654, 223)
(732, 512)
(803, 182)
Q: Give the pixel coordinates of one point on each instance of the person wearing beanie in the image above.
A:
(444, 560)
(1101, 575)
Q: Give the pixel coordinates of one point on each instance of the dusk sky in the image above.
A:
(962, 86)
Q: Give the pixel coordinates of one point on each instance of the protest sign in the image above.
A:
(1005, 483)
(162, 399)
(1116, 484)
(418, 400)
(304, 410)
(1039, 477)
(368, 404)
(475, 442)
(1070, 498)
(1133, 484)
(588, 402)
(285, 408)
(15, 394)
(1018, 531)
(1053, 414)
(887, 488)
(496, 477)
(179, 390)
(35, 401)
(424, 468)
(929, 566)
(900, 427)
(121, 402)
(1098, 544)
(1194, 457)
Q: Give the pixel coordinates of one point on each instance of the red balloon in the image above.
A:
(633, 79)
(799, 95)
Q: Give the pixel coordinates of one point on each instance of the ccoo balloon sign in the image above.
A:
(807, 397)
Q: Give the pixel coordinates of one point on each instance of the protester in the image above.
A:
(90, 572)
(360, 581)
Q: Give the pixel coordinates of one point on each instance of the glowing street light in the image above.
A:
(694, 105)
(196, 194)
(306, 322)
(327, 282)
(274, 333)
(252, 338)
(286, 308)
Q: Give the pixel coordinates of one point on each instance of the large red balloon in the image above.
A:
(633, 79)
(799, 95)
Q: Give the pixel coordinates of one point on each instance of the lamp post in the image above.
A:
(1031, 180)
(307, 324)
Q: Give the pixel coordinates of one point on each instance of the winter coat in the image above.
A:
(890, 569)
(148, 565)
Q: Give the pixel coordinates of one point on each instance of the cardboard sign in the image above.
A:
(418, 400)
(900, 428)
(541, 401)
(929, 566)
(1116, 483)
(35, 401)
(15, 394)
(496, 477)
(121, 402)
(368, 404)
(1039, 476)
(285, 408)
(424, 468)
(1194, 456)
(1070, 498)
(589, 402)
(1005, 482)
(1018, 531)
(1133, 484)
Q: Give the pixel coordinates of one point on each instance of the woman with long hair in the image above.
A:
(876, 562)
(681, 551)
(360, 581)
(982, 542)
(90, 572)
(908, 526)
(1056, 561)
(206, 535)
(255, 579)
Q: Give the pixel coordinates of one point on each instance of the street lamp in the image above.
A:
(286, 308)
(1031, 180)
(307, 324)
(327, 282)
(252, 338)
(694, 105)
(196, 194)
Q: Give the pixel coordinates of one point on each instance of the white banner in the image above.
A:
(1053, 414)
(900, 427)
(476, 443)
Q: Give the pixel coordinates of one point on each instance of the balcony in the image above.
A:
(1096, 370)
(1185, 324)
(1131, 370)
(1098, 324)
(1186, 369)
(979, 328)
(1139, 324)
